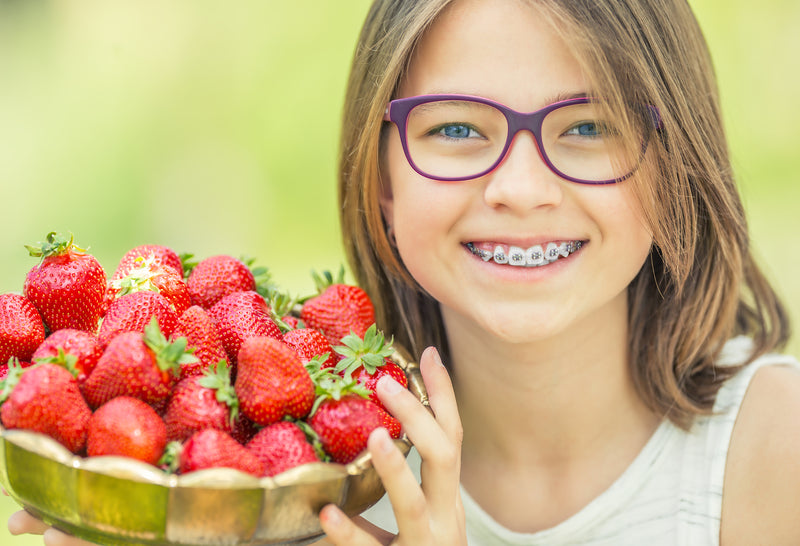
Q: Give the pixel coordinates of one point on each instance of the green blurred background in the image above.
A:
(213, 129)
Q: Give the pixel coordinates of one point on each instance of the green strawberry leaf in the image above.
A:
(10, 381)
(218, 377)
(54, 244)
(188, 263)
(62, 359)
(170, 460)
(313, 439)
(169, 356)
(369, 351)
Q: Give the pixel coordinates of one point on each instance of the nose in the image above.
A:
(522, 181)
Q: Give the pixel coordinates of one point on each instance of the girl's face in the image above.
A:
(505, 51)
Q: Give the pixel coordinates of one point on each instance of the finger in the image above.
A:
(407, 499)
(343, 531)
(54, 537)
(22, 522)
(437, 438)
(440, 394)
(441, 473)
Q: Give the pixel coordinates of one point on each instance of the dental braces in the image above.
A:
(531, 257)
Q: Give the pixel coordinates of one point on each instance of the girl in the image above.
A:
(541, 190)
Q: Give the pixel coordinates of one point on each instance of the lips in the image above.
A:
(533, 256)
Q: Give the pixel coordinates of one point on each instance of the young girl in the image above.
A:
(541, 190)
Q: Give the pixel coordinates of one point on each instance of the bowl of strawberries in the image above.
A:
(177, 402)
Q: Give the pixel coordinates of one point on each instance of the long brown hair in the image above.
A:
(700, 285)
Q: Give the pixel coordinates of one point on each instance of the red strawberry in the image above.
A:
(160, 256)
(338, 310)
(45, 398)
(68, 286)
(200, 402)
(74, 349)
(367, 360)
(201, 334)
(132, 312)
(308, 343)
(214, 278)
(240, 316)
(212, 448)
(143, 366)
(127, 427)
(343, 420)
(391, 424)
(21, 327)
(272, 382)
(281, 446)
(146, 276)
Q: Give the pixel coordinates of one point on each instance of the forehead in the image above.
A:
(505, 50)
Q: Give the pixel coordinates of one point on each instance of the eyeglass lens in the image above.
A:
(463, 138)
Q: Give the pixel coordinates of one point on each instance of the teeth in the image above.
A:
(531, 257)
(551, 252)
(516, 256)
(535, 255)
(500, 255)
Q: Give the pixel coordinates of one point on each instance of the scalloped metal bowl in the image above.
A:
(115, 500)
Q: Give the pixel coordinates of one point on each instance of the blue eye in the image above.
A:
(456, 131)
(590, 129)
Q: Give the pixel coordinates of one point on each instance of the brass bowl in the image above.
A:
(121, 501)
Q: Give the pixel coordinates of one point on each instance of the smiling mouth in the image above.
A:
(535, 256)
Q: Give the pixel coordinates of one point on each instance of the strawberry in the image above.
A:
(160, 256)
(74, 349)
(132, 312)
(281, 446)
(214, 278)
(199, 402)
(127, 427)
(343, 418)
(143, 275)
(338, 310)
(45, 398)
(144, 366)
(67, 287)
(367, 360)
(21, 327)
(212, 448)
(308, 343)
(272, 381)
(201, 334)
(240, 316)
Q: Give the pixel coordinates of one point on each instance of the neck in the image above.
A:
(569, 396)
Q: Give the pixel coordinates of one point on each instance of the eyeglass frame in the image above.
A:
(397, 112)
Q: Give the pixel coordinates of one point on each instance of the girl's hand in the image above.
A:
(430, 513)
(22, 522)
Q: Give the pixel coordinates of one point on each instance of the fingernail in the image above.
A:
(384, 441)
(388, 385)
(332, 515)
(435, 353)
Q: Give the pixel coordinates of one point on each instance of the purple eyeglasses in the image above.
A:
(461, 137)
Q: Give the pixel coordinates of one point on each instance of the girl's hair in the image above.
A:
(700, 285)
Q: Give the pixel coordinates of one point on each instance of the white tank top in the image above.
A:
(671, 494)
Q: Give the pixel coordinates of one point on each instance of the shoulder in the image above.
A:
(760, 501)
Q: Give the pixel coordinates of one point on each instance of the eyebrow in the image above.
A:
(558, 97)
